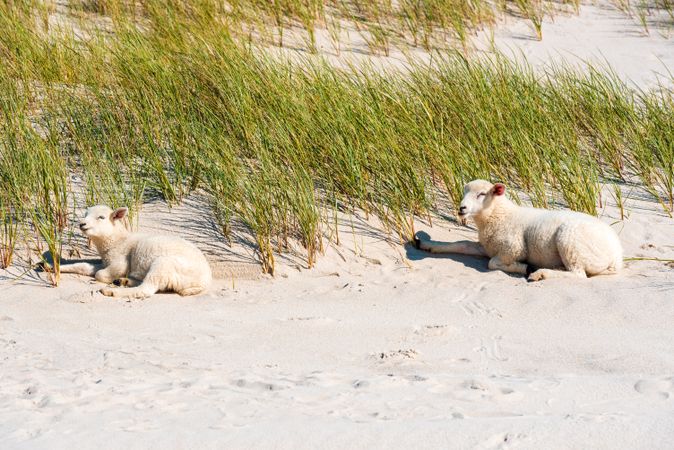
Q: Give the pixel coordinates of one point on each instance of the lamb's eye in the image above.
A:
(101, 217)
(481, 194)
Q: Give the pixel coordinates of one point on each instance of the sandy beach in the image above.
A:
(379, 346)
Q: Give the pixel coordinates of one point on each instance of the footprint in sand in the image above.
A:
(472, 306)
(312, 320)
(23, 434)
(395, 355)
(493, 350)
(29, 392)
(662, 389)
(84, 297)
(502, 441)
(486, 390)
(259, 386)
(432, 331)
(136, 426)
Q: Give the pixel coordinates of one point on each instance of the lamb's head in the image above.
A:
(101, 221)
(478, 196)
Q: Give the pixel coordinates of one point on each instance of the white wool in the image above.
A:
(145, 263)
(513, 236)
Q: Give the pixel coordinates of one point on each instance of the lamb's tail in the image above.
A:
(618, 263)
(615, 266)
(617, 258)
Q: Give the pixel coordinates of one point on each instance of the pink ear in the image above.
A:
(498, 189)
(119, 213)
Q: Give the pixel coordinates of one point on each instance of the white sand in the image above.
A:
(390, 349)
(600, 35)
(380, 346)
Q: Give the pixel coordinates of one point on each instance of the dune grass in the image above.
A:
(180, 105)
(382, 23)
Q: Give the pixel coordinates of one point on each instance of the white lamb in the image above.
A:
(145, 263)
(514, 237)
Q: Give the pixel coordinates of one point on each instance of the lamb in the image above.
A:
(145, 263)
(515, 237)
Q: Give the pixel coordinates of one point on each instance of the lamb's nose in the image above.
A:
(82, 225)
(462, 209)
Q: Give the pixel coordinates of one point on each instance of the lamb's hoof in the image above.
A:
(108, 292)
(419, 237)
(122, 282)
(43, 266)
(191, 291)
(537, 275)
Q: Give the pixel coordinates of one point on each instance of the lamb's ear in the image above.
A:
(119, 213)
(498, 189)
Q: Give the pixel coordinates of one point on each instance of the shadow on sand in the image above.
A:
(473, 262)
(35, 274)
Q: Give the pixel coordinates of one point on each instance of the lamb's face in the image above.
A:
(101, 221)
(478, 195)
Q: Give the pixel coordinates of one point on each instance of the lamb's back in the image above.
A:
(145, 248)
(541, 234)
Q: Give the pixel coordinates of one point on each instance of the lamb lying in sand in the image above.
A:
(145, 263)
(514, 236)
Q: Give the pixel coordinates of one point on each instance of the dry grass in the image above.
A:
(180, 105)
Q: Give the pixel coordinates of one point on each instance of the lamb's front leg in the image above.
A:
(459, 247)
(128, 288)
(546, 274)
(81, 268)
(157, 278)
(496, 263)
(148, 287)
(143, 291)
(110, 274)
